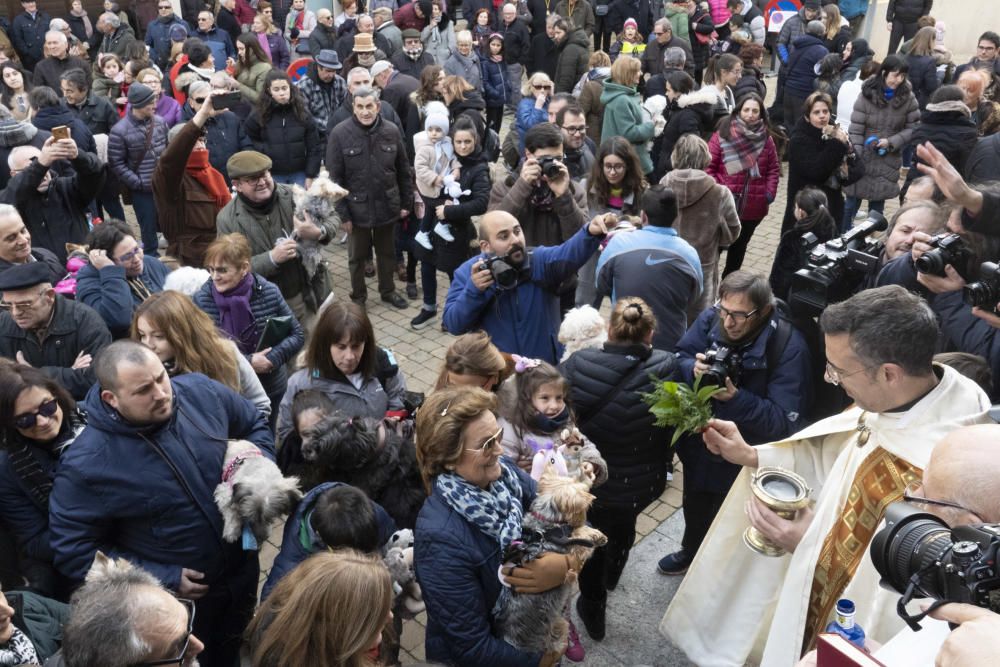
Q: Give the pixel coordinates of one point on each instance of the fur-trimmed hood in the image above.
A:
(872, 90)
(950, 106)
(707, 96)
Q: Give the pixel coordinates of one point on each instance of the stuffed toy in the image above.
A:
(453, 189)
(399, 559)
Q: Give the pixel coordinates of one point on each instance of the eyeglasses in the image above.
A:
(217, 270)
(834, 376)
(541, 87)
(127, 257)
(575, 129)
(484, 449)
(614, 166)
(910, 496)
(738, 316)
(162, 7)
(254, 180)
(986, 48)
(29, 419)
(204, 18)
(199, 100)
(189, 605)
(22, 305)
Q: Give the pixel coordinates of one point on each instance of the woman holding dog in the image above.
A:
(607, 384)
(475, 505)
(38, 420)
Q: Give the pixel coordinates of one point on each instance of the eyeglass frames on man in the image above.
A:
(23, 305)
(911, 495)
(738, 316)
(179, 660)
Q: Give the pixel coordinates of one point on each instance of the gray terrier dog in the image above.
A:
(556, 523)
(252, 492)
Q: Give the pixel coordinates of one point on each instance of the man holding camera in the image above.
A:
(744, 346)
(855, 463)
(510, 291)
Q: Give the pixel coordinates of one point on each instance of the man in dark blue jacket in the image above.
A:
(518, 306)
(800, 68)
(767, 393)
(158, 33)
(28, 33)
(138, 483)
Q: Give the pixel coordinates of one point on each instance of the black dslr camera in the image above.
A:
(723, 362)
(947, 249)
(985, 293)
(918, 555)
(835, 269)
(505, 275)
(550, 166)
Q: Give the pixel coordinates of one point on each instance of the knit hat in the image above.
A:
(178, 33)
(16, 133)
(379, 67)
(630, 22)
(23, 276)
(140, 96)
(247, 163)
(437, 120)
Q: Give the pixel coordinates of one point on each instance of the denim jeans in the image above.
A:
(145, 213)
(297, 178)
(852, 205)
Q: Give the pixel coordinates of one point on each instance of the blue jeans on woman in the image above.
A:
(851, 207)
(297, 178)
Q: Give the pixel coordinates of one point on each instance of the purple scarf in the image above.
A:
(235, 317)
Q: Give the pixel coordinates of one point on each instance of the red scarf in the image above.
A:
(210, 179)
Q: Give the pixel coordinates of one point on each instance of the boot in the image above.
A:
(592, 615)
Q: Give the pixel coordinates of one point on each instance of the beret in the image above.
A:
(247, 163)
(23, 276)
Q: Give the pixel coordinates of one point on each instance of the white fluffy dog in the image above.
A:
(252, 492)
(582, 328)
(186, 280)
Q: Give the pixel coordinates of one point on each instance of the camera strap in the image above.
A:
(913, 620)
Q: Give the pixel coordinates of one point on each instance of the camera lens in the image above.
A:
(931, 262)
(982, 294)
(910, 542)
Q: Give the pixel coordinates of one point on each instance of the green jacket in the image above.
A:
(679, 21)
(41, 620)
(623, 116)
(252, 81)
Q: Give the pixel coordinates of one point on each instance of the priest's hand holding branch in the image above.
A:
(723, 438)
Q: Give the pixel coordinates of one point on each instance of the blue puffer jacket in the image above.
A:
(967, 332)
(115, 492)
(127, 154)
(524, 320)
(265, 302)
(456, 566)
(107, 291)
(851, 8)
(528, 116)
(158, 39)
(807, 51)
(496, 82)
(220, 43)
(770, 404)
(299, 541)
(225, 137)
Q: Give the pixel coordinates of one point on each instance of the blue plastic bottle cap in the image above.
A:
(845, 606)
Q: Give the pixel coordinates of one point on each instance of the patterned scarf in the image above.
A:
(27, 468)
(741, 151)
(496, 511)
(18, 651)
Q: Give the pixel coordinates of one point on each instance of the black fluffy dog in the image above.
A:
(374, 455)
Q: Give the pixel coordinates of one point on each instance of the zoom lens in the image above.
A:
(910, 541)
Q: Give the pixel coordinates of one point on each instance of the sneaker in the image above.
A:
(444, 231)
(574, 649)
(411, 290)
(396, 300)
(423, 318)
(674, 564)
(592, 615)
(424, 239)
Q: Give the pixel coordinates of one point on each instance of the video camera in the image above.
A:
(985, 293)
(723, 362)
(835, 269)
(918, 555)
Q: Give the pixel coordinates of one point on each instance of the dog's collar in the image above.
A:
(230, 470)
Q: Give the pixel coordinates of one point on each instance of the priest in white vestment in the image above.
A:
(736, 606)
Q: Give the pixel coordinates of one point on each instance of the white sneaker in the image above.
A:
(424, 239)
(860, 215)
(444, 231)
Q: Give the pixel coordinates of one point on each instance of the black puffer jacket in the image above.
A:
(474, 178)
(907, 11)
(293, 144)
(691, 114)
(950, 129)
(923, 77)
(636, 452)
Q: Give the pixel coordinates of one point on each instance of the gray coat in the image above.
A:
(466, 67)
(893, 120)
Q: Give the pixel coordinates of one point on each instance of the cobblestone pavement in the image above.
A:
(636, 607)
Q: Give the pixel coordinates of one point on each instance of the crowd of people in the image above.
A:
(545, 160)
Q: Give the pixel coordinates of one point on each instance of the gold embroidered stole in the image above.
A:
(880, 480)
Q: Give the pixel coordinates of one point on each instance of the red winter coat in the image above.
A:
(762, 190)
(405, 17)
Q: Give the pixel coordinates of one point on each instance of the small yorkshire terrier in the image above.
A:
(556, 523)
(252, 492)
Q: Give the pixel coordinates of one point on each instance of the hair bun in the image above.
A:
(632, 312)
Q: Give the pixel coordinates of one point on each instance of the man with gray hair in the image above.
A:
(123, 616)
(516, 48)
(360, 77)
(664, 38)
(118, 37)
(57, 63)
(367, 156)
(382, 16)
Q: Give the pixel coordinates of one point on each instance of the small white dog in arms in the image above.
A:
(582, 328)
(252, 494)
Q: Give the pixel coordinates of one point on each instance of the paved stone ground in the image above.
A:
(636, 607)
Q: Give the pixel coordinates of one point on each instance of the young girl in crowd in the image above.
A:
(630, 42)
(281, 128)
(535, 417)
(109, 75)
(812, 215)
(15, 85)
(481, 30)
(433, 161)
(496, 81)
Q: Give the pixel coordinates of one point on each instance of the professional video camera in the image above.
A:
(835, 269)
(918, 555)
(945, 249)
(985, 293)
(723, 362)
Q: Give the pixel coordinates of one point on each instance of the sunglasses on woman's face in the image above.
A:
(29, 419)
